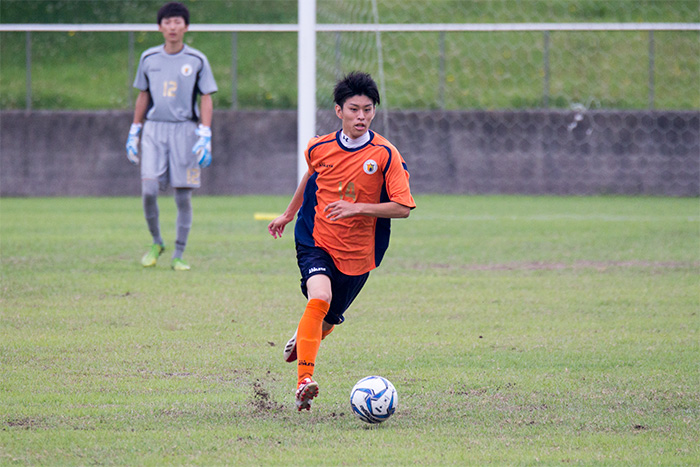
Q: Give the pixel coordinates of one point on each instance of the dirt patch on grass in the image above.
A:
(24, 423)
(262, 402)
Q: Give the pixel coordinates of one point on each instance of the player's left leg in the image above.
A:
(154, 174)
(184, 176)
(344, 290)
(183, 200)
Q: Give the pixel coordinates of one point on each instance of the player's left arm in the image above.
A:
(400, 202)
(202, 148)
(206, 107)
(341, 209)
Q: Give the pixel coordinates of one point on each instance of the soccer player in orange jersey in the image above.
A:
(357, 181)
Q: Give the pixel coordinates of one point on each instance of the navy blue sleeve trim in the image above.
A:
(382, 231)
(197, 56)
(319, 144)
(388, 164)
(156, 52)
(306, 217)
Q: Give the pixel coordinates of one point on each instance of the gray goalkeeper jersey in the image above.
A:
(174, 81)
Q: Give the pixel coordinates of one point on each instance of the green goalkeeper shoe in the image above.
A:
(151, 256)
(179, 265)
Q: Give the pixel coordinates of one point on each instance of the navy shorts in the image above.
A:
(313, 260)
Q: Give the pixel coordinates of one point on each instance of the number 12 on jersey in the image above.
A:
(169, 88)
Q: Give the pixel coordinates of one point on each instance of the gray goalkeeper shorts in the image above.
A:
(166, 154)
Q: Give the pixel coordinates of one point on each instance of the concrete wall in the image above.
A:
(529, 152)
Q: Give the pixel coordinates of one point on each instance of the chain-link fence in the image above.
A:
(578, 64)
(523, 69)
(504, 69)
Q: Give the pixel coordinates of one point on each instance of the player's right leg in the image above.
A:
(149, 194)
(307, 389)
(308, 339)
(154, 168)
(150, 258)
(344, 290)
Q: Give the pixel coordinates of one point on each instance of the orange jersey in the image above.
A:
(372, 173)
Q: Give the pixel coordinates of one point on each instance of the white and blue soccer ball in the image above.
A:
(373, 399)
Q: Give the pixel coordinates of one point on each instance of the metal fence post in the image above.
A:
(130, 70)
(651, 69)
(338, 57)
(234, 70)
(380, 67)
(545, 59)
(442, 84)
(28, 70)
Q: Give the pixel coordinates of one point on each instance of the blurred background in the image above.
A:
(540, 111)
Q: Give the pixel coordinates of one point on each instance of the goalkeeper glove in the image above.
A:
(202, 149)
(132, 143)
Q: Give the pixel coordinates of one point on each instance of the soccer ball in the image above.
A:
(373, 399)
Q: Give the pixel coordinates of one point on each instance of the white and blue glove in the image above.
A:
(132, 143)
(202, 149)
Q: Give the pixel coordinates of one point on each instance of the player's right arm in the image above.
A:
(143, 100)
(132, 143)
(276, 227)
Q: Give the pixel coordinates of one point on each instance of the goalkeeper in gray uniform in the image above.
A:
(174, 148)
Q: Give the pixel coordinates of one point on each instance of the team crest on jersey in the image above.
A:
(370, 167)
(186, 69)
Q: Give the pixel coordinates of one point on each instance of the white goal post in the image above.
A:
(306, 81)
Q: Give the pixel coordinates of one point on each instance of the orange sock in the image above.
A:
(309, 335)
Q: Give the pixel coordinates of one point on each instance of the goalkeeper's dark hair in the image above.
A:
(355, 83)
(172, 10)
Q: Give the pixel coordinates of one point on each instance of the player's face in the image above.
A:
(357, 114)
(173, 29)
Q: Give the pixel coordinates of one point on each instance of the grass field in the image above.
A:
(517, 330)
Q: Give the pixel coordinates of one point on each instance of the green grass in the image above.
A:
(481, 70)
(517, 330)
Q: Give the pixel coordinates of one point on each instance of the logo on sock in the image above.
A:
(305, 363)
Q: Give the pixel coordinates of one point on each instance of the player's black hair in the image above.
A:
(356, 83)
(172, 10)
